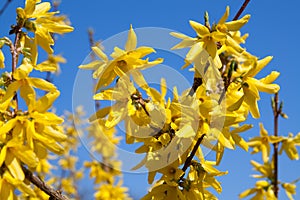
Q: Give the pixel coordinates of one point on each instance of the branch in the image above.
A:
(91, 41)
(92, 55)
(54, 195)
(276, 113)
(197, 82)
(5, 6)
(15, 57)
(241, 10)
(190, 158)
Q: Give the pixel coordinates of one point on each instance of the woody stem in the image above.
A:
(241, 10)
(276, 113)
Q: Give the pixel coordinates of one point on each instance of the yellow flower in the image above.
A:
(111, 192)
(36, 124)
(68, 163)
(128, 103)
(262, 190)
(238, 139)
(13, 153)
(43, 166)
(251, 86)
(171, 173)
(36, 17)
(37, 127)
(68, 186)
(51, 64)
(290, 189)
(195, 193)
(262, 143)
(289, 146)
(265, 169)
(97, 171)
(25, 84)
(8, 184)
(206, 40)
(104, 139)
(210, 172)
(123, 60)
(230, 29)
(164, 191)
(235, 25)
(211, 39)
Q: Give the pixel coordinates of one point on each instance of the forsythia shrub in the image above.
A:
(172, 132)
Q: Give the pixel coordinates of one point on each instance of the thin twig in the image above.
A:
(55, 195)
(49, 78)
(5, 6)
(197, 82)
(241, 10)
(73, 175)
(91, 41)
(92, 55)
(15, 57)
(62, 176)
(191, 156)
(276, 113)
(295, 181)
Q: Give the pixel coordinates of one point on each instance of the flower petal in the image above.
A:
(41, 84)
(237, 24)
(199, 28)
(270, 78)
(131, 41)
(100, 53)
(14, 166)
(225, 16)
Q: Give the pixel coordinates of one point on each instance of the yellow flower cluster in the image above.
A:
(66, 178)
(265, 188)
(107, 172)
(173, 131)
(105, 169)
(26, 135)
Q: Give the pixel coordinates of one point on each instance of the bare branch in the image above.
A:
(54, 195)
(276, 113)
(241, 10)
(5, 6)
(191, 156)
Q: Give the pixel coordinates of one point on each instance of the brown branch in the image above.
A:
(191, 156)
(276, 113)
(15, 57)
(92, 55)
(236, 17)
(5, 6)
(197, 82)
(62, 176)
(241, 10)
(91, 41)
(73, 175)
(54, 195)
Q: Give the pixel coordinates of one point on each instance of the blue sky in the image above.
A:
(273, 30)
